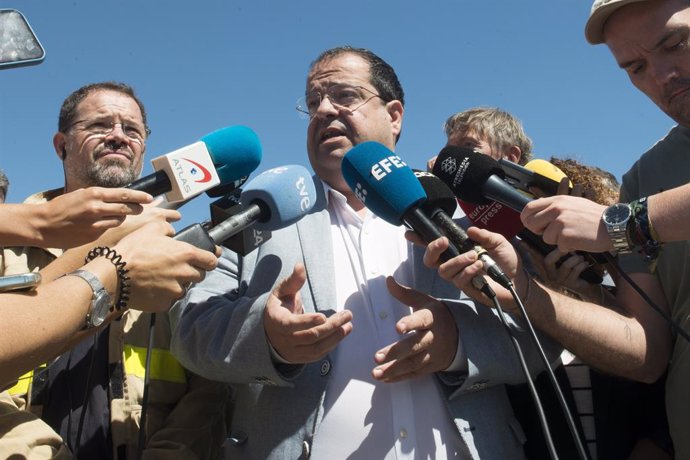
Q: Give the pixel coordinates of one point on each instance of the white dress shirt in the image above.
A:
(364, 418)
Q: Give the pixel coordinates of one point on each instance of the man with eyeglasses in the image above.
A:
(328, 355)
(101, 140)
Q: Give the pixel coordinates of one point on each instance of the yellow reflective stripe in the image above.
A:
(23, 382)
(164, 366)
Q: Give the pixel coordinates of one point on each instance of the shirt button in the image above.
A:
(325, 367)
(403, 433)
(383, 315)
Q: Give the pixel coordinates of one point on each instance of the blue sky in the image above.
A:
(203, 65)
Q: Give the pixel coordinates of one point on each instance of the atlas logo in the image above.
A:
(198, 172)
(361, 193)
(305, 202)
(449, 166)
(385, 166)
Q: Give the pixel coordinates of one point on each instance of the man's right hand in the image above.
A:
(296, 336)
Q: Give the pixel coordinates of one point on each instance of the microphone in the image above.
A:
(387, 186)
(477, 179)
(248, 239)
(537, 173)
(440, 205)
(213, 165)
(274, 199)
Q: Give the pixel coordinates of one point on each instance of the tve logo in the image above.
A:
(305, 202)
(385, 166)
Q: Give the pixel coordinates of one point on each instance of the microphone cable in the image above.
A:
(674, 325)
(480, 283)
(453, 234)
(145, 400)
(552, 377)
(87, 393)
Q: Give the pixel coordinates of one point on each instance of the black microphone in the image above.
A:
(476, 178)
(440, 205)
(248, 239)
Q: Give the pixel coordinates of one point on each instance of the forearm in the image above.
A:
(40, 325)
(18, 225)
(603, 338)
(670, 214)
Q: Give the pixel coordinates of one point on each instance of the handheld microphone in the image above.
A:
(440, 205)
(210, 165)
(477, 179)
(537, 173)
(248, 239)
(387, 186)
(274, 199)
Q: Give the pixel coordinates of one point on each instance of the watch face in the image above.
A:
(617, 214)
(101, 308)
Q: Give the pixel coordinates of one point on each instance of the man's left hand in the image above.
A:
(430, 338)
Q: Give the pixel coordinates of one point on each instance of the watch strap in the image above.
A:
(98, 291)
(618, 232)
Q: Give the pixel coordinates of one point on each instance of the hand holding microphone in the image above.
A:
(71, 219)
(571, 223)
(478, 179)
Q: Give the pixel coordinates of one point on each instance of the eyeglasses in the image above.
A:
(134, 132)
(343, 97)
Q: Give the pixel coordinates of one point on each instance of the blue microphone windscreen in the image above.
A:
(235, 150)
(382, 181)
(287, 192)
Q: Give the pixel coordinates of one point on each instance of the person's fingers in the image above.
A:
(289, 287)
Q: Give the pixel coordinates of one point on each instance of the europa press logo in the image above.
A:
(449, 166)
(198, 172)
(361, 193)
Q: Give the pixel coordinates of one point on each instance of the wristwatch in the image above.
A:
(616, 218)
(100, 301)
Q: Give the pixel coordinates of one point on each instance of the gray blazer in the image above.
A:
(218, 333)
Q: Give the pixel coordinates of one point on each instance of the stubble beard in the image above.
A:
(110, 174)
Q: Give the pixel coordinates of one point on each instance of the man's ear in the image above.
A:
(395, 111)
(514, 154)
(59, 144)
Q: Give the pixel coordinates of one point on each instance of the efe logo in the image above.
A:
(383, 167)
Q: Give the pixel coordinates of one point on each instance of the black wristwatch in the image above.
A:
(616, 218)
(100, 301)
